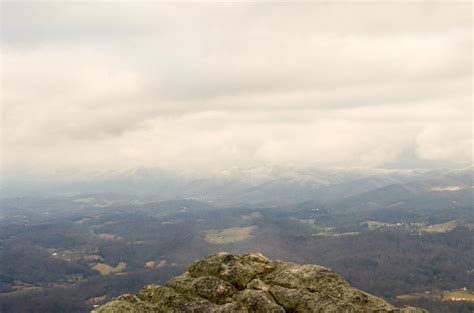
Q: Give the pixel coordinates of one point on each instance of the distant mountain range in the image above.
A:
(266, 184)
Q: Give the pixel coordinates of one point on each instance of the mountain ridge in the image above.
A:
(286, 185)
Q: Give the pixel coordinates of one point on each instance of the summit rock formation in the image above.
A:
(225, 282)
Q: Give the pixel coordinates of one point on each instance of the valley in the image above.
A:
(412, 247)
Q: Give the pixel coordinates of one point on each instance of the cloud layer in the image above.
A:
(94, 86)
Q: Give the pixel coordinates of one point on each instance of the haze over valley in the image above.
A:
(139, 138)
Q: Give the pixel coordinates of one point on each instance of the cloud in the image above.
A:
(91, 86)
(446, 142)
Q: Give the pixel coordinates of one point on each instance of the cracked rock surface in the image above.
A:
(225, 282)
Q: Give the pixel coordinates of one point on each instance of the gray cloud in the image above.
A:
(107, 85)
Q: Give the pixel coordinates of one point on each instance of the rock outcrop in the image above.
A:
(225, 282)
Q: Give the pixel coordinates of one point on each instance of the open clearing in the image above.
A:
(108, 236)
(106, 269)
(67, 255)
(229, 235)
(156, 264)
(457, 295)
(376, 224)
(329, 232)
(460, 295)
(441, 228)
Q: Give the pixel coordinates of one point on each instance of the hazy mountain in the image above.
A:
(267, 184)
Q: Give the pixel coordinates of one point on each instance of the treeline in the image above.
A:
(385, 262)
(74, 299)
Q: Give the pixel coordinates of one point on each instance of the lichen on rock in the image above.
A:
(224, 282)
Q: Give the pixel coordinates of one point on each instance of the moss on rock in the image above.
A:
(224, 282)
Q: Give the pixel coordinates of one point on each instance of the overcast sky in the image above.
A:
(114, 85)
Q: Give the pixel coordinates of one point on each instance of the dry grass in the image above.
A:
(375, 224)
(352, 233)
(106, 269)
(252, 216)
(309, 221)
(441, 228)
(408, 297)
(83, 220)
(156, 264)
(468, 225)
(460, 295)
(329, 232)
(92, 258)
(108, 236)
(67, 255)
(229, 235)
(103, 268)
(447, 188)
(96, 300)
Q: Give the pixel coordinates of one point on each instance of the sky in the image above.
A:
(91, 86)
